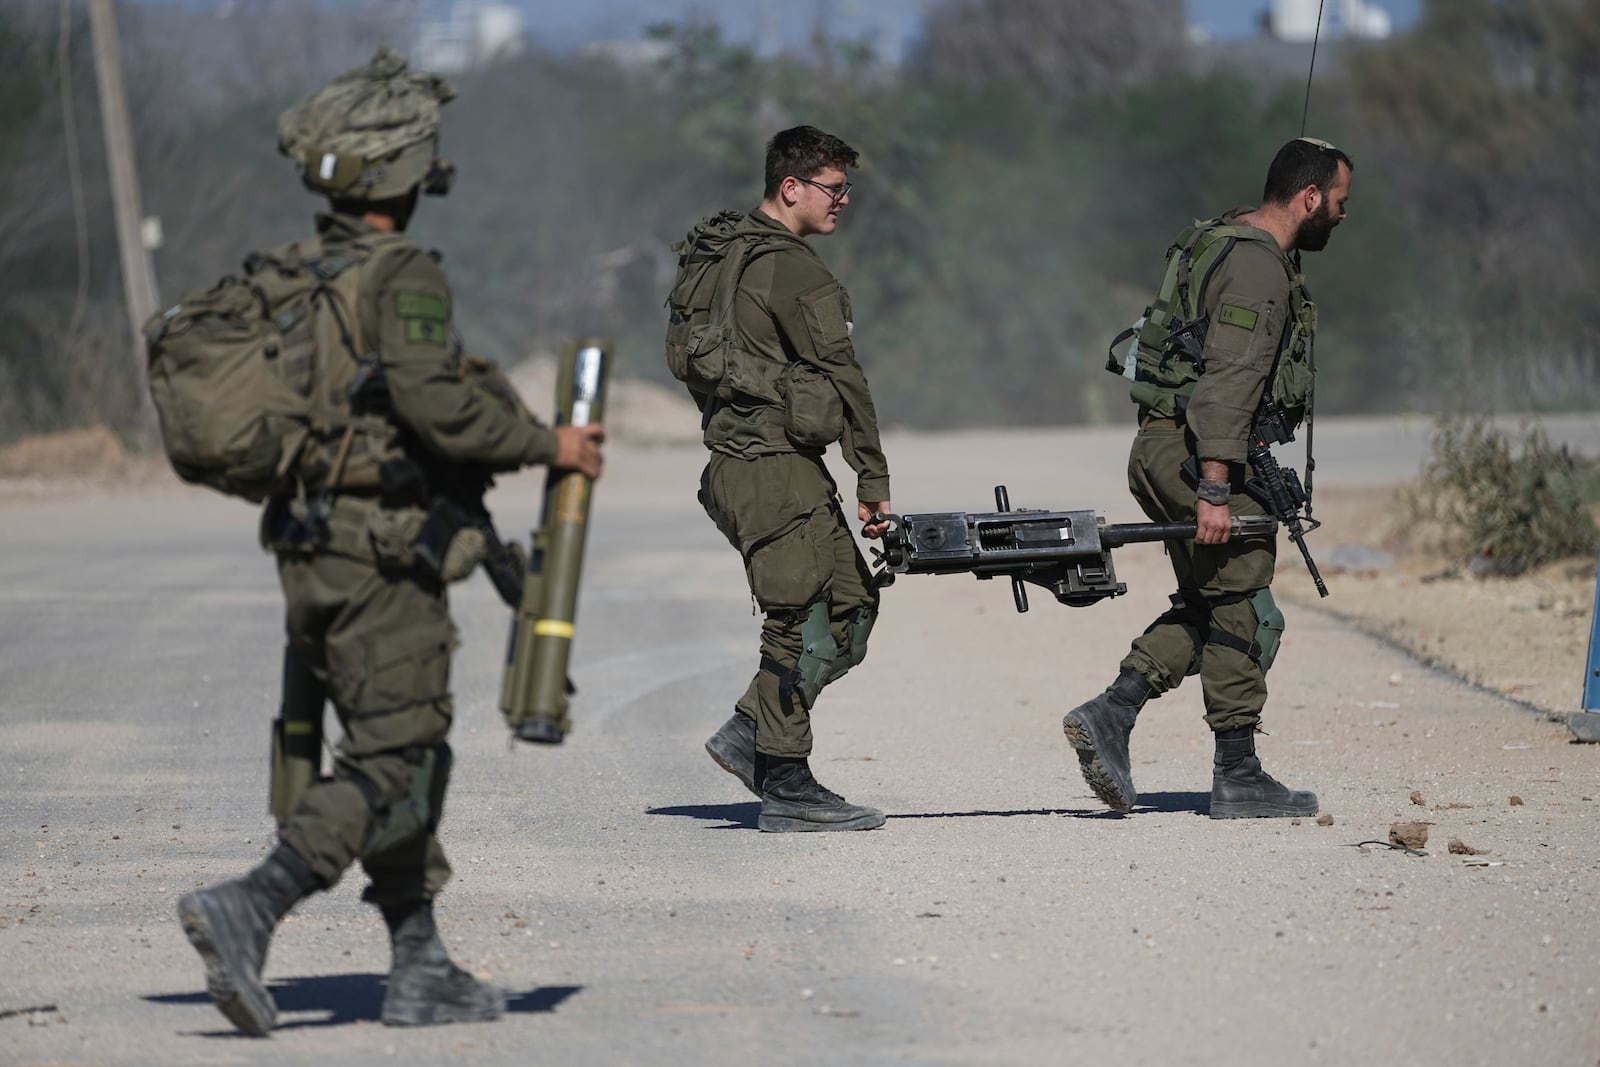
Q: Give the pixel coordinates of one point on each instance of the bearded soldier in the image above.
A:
(367, 620)
(1232, 324)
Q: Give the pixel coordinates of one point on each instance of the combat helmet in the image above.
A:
(370, 134)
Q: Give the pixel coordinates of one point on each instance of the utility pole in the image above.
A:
(138, 281)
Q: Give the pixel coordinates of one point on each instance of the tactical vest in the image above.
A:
(1165, 360)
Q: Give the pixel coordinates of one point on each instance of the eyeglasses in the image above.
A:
(835, 192)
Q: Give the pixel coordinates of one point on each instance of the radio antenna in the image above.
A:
(1315, 35)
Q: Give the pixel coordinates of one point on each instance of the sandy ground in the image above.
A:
(1525, 637)
(618, 888)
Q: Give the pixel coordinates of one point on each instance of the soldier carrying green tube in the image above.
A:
(535, 687)
(371, 438)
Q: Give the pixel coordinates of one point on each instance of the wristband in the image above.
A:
(1214, 492)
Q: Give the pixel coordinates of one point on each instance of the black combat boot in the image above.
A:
(791, 800)
(231, 925)
(1240, 789)
(733, 747)
(425, 987)
(1099, 730)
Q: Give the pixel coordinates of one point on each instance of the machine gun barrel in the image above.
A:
(1067, 553)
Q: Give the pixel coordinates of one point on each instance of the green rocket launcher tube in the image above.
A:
(535, 689)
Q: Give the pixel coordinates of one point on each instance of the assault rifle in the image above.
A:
(1279, 490)
(1065, 552)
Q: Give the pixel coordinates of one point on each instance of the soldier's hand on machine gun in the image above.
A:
(1211, 520)
(578, 449)
(1212, 523)
(866, 510)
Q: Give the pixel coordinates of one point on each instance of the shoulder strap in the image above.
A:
(1203, 239)
(748, 243)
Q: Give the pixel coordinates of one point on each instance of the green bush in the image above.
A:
(1507, 508)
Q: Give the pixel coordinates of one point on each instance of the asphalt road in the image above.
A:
(617, 885)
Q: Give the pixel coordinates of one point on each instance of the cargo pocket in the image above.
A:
(700, 360)
(791, 569)
(813, 412)
(708, 501)
(824, 312)
(403, 671)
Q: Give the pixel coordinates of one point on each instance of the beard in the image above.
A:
(1312, 236)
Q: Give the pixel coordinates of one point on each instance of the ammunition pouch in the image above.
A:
(287, 525)
(393, 534)
(813, 412)
(449, 544)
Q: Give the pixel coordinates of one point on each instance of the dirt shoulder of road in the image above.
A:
(1525, 637)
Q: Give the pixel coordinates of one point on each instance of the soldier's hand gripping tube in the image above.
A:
(534, 688)
(1279, 490)
(296, 736)
(1065, 552)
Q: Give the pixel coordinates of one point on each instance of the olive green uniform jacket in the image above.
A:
(1223, 599)
(373, 629)
(775, 501)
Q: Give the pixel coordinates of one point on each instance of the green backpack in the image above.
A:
(250, 376)
(702, 347)
(1164, 363)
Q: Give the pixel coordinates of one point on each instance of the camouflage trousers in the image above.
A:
(1233, 580)
(782, 513)
(379, 640)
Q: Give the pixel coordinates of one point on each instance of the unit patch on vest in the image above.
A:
(424, 317)
(1234, 315)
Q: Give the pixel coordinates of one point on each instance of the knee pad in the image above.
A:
(1262, 647)
(818, 654)
(858, 626)
(1269, 626)
(418, 810)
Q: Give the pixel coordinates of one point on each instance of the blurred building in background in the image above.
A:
(468, 34)
(1296, 20)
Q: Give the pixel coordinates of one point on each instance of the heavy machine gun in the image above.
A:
(1067, 553)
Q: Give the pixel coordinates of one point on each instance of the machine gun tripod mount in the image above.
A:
(1067, 553)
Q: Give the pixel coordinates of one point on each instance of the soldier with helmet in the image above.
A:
(1230, 329)
(368, 625)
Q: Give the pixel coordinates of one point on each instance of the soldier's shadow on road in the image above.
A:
(342, 999)
(1193, 803)
(743, 816)
(730, 816)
